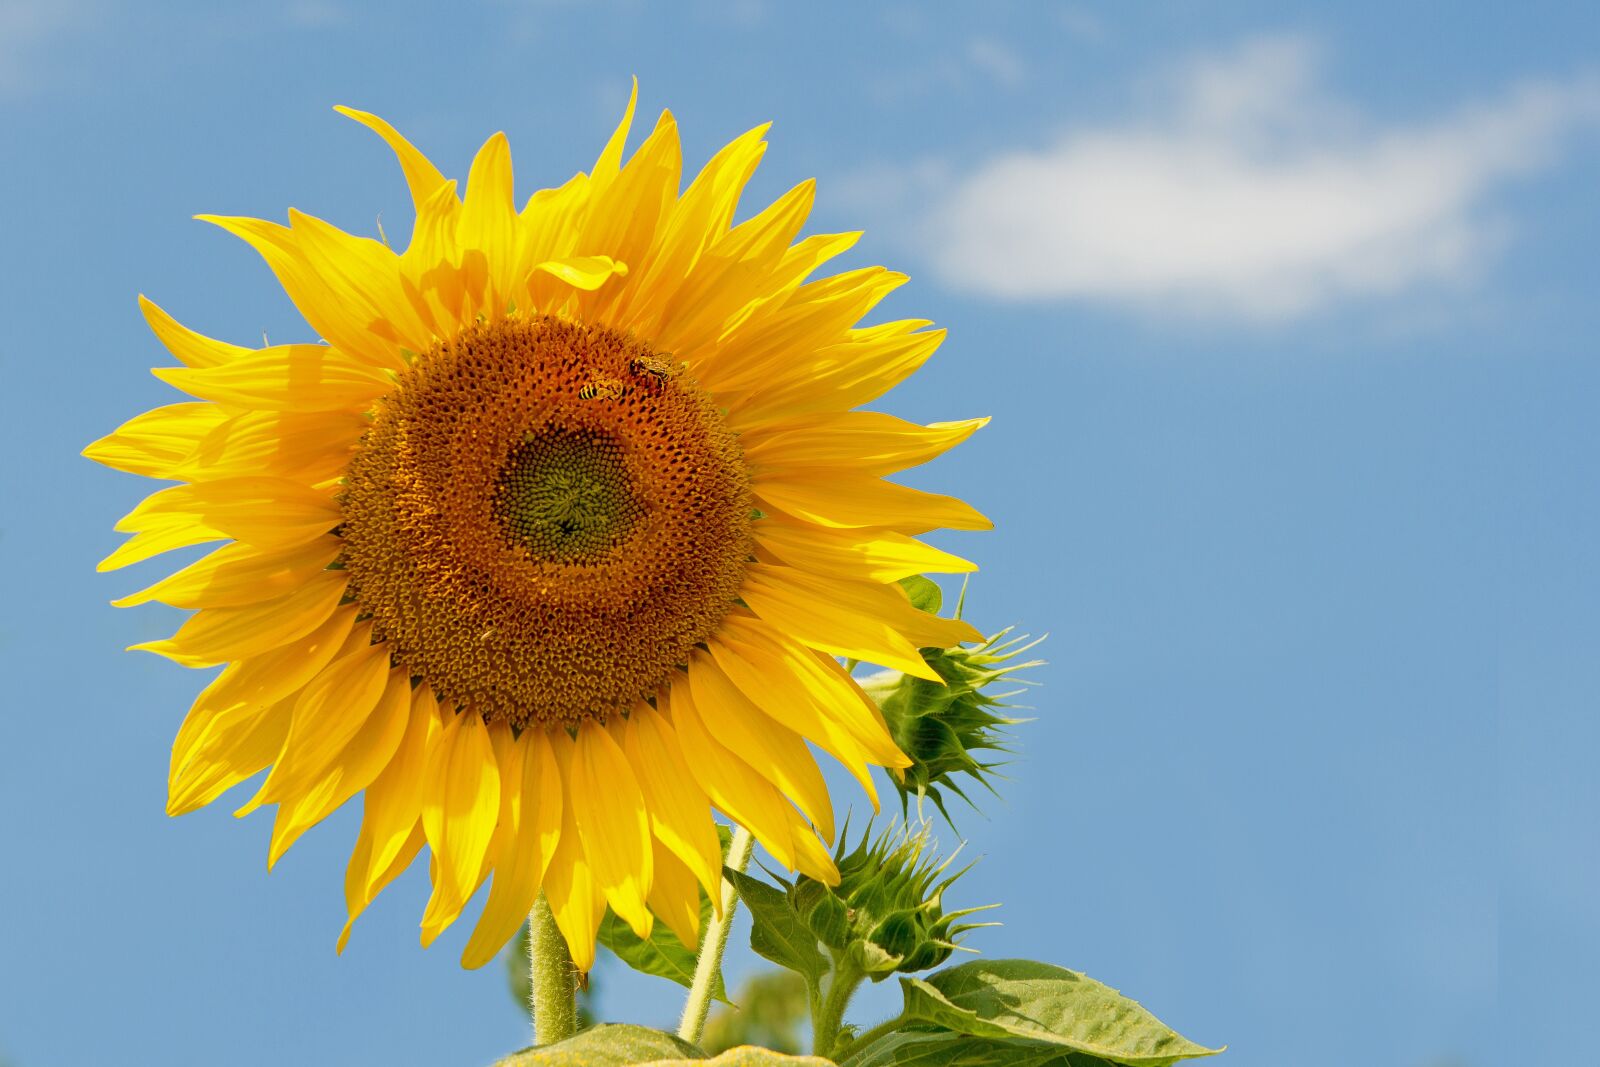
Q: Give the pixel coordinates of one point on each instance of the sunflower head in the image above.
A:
(887, 912)
(550, 538)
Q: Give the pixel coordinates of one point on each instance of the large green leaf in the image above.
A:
(1023, 998)
(753, 1056)
(776, 932)
(963, 1050)
(606, 1045)
(660, 954)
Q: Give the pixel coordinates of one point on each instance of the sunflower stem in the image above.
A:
(714, 943)
(827, 1022)
(553, 980)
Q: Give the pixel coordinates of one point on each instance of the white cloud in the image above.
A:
(1249, 192)
(27, 28)
(316, 14)
(997, 61)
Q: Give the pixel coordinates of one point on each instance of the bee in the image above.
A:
(602, 388)
(653, 370)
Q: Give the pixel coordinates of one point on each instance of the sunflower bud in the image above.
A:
(941, 727)
(887, 912)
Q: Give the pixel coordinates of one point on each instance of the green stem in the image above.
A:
(714, 943)
(883, 1029)
(826, 1023)
(553, 980)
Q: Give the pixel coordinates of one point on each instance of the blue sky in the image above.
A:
(1285, 314)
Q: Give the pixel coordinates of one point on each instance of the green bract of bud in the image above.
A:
(887, 912)
(946, 728)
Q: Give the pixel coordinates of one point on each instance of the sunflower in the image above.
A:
(549, 547)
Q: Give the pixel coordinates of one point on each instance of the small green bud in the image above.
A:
(945, 728)
(887, 912)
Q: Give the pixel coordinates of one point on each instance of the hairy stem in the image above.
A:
(714, 943)
(827, 1022)
(553, 979)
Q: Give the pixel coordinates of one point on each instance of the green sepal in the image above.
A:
(1042, 1002)
(607, 1045)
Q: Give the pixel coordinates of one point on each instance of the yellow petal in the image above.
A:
(680, 811)
(328, 714)
(530, 828)
(805, 607)
(161, 533)
(675, 896)
(157, 441)
(217, 635)
(623, 216)
(459, 811)
(263, 680)
(766, 680)
(733, 272)
(356, 902)
(354, 768)
(303, 447)
(489, 216)
(235, 575)
(837, 377)
(422, 177)
(689, 227)
(613, 824)
(346, 326)
(850, 501)
(864, 442)
(264, 512)
(391, 821)
(575, 899)
(804, 689)
(780, 332)
(584, 272)
(742, 793)
(763, 742)
(285, 378)
(609, 165)
(862, 554)
(235, 745)
(363, 277)
(189, 348)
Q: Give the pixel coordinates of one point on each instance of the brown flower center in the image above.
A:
(544, 519)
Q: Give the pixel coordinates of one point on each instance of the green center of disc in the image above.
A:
(564, 495)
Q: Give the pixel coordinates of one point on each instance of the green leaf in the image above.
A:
(606, 1045)
(660, 954)
(776, 932)
(1023, 998)
(753, 1056)
(963, 1050)
(925, 593)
